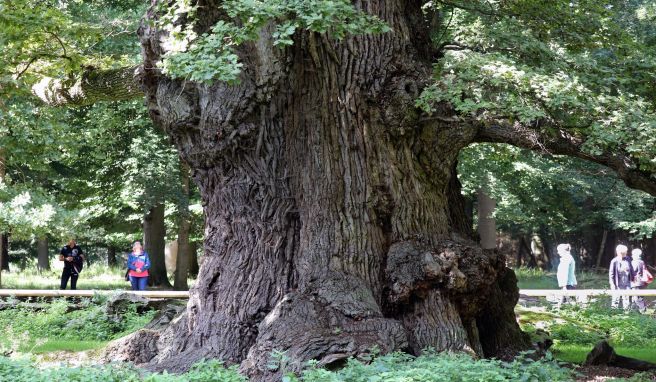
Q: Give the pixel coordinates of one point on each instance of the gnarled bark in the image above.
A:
(334, 222)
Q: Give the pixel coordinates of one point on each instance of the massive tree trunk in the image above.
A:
(334, 221)
(43, 260)
(184, 227)
(154, 243)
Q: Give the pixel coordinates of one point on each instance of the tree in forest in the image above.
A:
(555, 199)
(324, 136)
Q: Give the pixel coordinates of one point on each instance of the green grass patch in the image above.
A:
(575, 353)
(533, 278)
(575, 330)
(53, 345)
(58, 327)
(95, 277)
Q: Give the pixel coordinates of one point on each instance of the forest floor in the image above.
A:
(60, 337)
(575, 328)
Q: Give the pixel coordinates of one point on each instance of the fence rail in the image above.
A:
(90, 293)
(185, 294)
(587, 292)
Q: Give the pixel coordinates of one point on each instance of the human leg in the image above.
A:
(66, 274)
(134, 282)
(143, 282)
(74, 277)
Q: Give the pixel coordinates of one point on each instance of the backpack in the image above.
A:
(647, 277)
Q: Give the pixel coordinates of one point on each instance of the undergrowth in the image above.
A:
(26, 329)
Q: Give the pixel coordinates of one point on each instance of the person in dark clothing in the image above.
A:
(620, 275)
(73, 258)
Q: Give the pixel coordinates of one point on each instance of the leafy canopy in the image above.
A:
(211, 56)
(585, 66)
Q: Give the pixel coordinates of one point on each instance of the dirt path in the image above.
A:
(605, 373)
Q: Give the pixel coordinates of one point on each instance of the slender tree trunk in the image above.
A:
(334, 219)
(4, 258)
(602, 247)
(487, 227)
(525, 248)
(193, 259)
(4, 251)
(154, 242)
(539, 251)
(111, 256)
(43, 260)
(519, 259)
(184, 227)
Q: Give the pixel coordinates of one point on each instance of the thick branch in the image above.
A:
(563, 143)
(91, 87)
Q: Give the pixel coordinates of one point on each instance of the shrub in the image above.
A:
(25, 371)
(434, 367)
(87, 324)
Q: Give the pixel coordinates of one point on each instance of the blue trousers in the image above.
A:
(139, 283)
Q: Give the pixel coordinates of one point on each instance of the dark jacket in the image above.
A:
(620, 273)
(76, 253)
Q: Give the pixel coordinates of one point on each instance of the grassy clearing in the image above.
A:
(55, 345)
(533, 278)
(95, 277)
(575, 330)
(575, 353)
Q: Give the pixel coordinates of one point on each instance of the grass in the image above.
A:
(56, 328)
(575, 330)
(94, 277)
(533, 278)
(576, 353)
(54, 345)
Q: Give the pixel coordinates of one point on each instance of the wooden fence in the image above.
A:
(185, 294)
(90, 293)
(586, 292)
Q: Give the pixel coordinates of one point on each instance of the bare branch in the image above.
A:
(91, 87)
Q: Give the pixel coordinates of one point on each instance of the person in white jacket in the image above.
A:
(566, 268)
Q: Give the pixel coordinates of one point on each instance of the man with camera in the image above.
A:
(73, 258)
